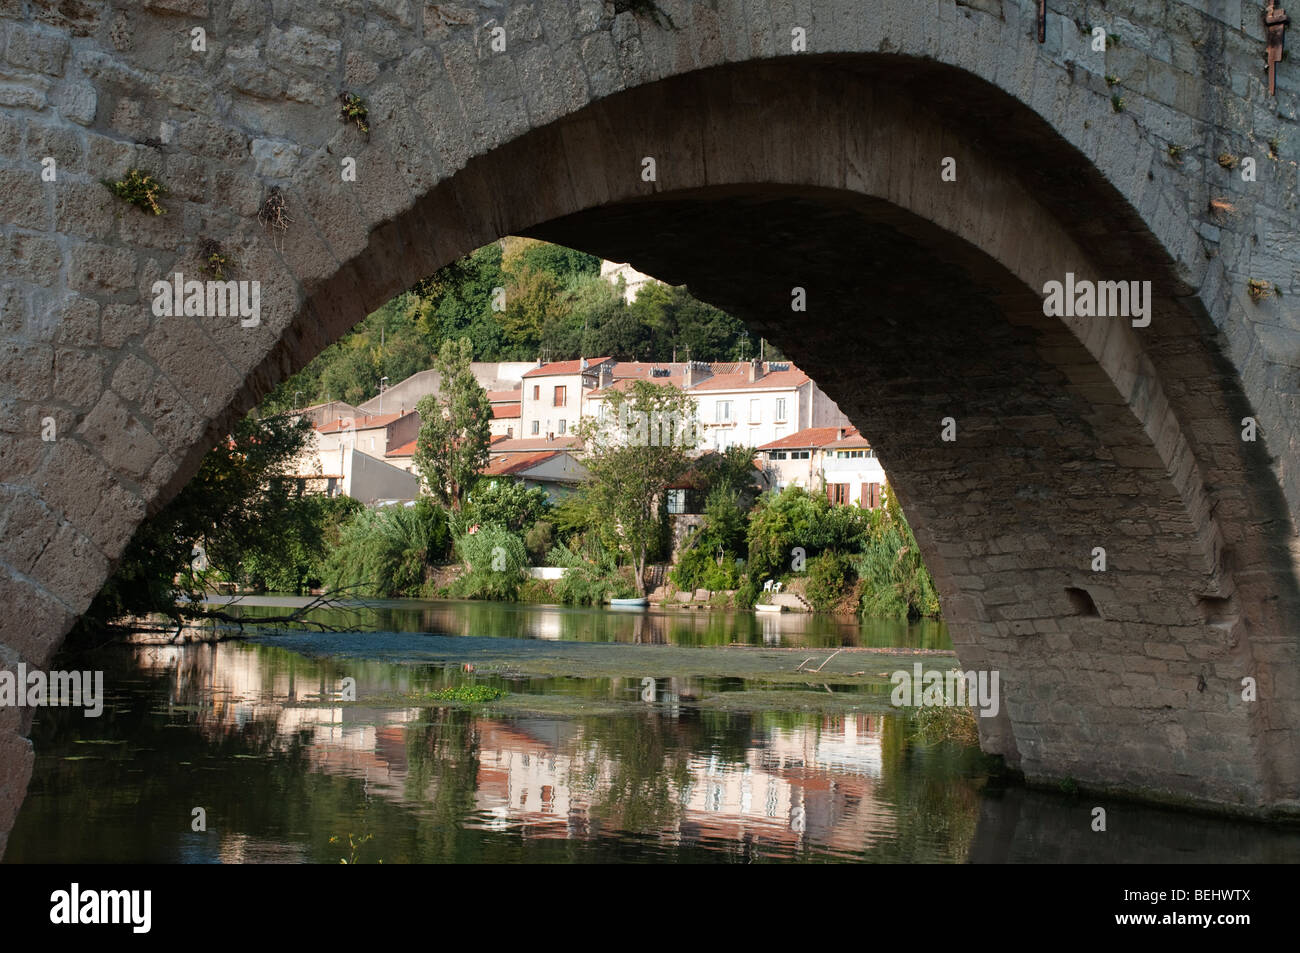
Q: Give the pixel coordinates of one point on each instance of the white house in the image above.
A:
(633, 280)
(551, 404)
(749, 403)
(836, 460)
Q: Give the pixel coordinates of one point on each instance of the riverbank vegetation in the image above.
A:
(246, 523)
(839, 558)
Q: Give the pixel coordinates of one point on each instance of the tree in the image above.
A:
(507, 502)
(455, 427)
(239, 507)
(534, 305)
(640, 446)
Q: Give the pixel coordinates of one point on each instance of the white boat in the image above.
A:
(639, 602)
(768, 607)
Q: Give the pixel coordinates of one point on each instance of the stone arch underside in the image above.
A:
(922, 305)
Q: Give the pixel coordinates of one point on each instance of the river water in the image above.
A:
(678, 735)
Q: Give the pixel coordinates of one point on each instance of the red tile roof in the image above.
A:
(362, 423)
(740, 380)
(566, 367)
(625, 384)
(852, 441)
(807, 439)
(504, 396)
(534, 444)
(405, 450)
(643, 370)
(509, 463)
(503, 411)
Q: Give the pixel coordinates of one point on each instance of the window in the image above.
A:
(753, 436)
(837, 493)
(563, 424)
(849, 454)
(510, 431)
(724, 412)
(800, 454)
(676, 501)
(755, 411)
(537, 392)
(600, 411)
(776, 455)
(537, 426)
(870, 496)
(780, 408)
(560, 400)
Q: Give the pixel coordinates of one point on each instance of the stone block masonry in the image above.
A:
(777, 165)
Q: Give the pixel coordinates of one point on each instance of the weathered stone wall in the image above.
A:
(1072, 433)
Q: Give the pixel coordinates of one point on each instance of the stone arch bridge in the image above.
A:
(796, 143)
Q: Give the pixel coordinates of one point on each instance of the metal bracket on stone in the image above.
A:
(1275, 21)
(1042, 21)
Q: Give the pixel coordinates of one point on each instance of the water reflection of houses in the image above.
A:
(228, 690)
(808, 784)
(785, 786)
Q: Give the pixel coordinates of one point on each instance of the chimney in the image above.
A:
(582, 363)
(606, 375)
(688, 374)
(841, 432)
(755, 370)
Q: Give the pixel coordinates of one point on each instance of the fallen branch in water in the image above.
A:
(828, 658)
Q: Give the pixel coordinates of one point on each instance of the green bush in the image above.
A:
(386, 552)
(507, 503)
(829, 576)
(538, 591)
(293, 557)
(589, 582)
(538, 541)
(896, 583)
(795, 518)
(747, 594)
(494, 559)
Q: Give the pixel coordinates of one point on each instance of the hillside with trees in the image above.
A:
(554, 304)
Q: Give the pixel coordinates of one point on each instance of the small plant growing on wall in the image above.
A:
(140, 189)
(1228, 160)
(1117, 103)
(1176, 152)
(354, 110)
(644, 8)
(1258, 290)
(274, 211)
(1273, 146)
(216, 263)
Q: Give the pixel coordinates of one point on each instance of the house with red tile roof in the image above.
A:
(746, 403)
(553, 396)
(557, 471)
(836, 460)
(348, 455)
